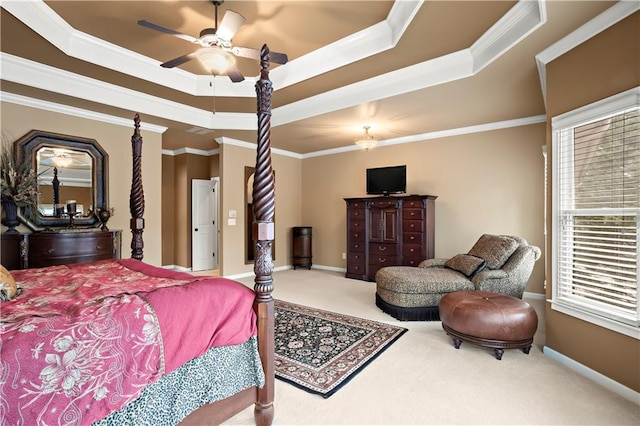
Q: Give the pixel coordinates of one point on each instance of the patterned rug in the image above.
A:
(320, 351)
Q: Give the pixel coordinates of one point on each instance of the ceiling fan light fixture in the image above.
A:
(366, 141)
(216, 60)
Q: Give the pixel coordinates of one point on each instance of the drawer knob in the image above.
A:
(98, 247)
(382, 260)
(412, 238)
(382, 248)
(51, 250)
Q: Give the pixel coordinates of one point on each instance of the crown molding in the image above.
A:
(33, 74)
(76, 112)
(370, 41)
(252, 146)
(606, 19)
(85, 114)
(430, 73)
(518, 122)
(180, 151)
(522, 19)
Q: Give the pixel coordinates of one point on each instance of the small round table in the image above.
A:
(488, 319)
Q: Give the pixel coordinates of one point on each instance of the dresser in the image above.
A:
(40, 249)
(388, 231)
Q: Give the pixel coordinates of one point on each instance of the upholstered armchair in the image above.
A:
(506, 269)
(496, 263)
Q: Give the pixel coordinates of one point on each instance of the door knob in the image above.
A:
(196, 229)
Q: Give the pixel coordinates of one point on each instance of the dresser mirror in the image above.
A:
(72, 179)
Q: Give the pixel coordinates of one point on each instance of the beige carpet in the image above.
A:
(422, 380)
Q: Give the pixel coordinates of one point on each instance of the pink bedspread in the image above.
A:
(83, 340)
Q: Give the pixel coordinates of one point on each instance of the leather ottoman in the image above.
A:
(488, 319)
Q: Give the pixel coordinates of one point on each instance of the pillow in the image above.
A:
(8, 287)
(494, 249)
(466, 264)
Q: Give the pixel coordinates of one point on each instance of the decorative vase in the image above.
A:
(10, 209)
(103, 216)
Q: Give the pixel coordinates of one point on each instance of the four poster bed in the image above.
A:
(119, 341)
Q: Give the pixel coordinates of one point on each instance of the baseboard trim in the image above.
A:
(601, 379)
(329, 268)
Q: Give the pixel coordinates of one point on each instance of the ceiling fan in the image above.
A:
(215, 45)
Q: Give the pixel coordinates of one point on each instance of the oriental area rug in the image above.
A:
(320, 351)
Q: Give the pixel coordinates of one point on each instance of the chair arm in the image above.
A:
(432, 263)
(488, 275)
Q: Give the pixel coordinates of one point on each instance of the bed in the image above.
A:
(119, 341)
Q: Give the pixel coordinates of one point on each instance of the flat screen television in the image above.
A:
(387, 180)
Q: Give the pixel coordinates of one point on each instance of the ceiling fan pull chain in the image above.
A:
(212, 83)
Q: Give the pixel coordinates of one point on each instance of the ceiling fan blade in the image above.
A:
(278, 58)
(229, 26)
(247, 52)
(234, 74)
(169, 31)
(178, 61)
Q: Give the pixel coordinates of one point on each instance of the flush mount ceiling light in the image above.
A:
(366, 141)
(62, 160)
(216, 60)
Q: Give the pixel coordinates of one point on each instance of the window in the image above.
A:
(596, 193)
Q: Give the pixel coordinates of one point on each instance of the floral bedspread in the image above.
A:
(78, 343)
(73, 370)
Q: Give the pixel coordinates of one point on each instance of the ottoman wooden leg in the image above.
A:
(456, 342)
(498, 353)
(526, 349)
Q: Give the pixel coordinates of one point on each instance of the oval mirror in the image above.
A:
(72, 179)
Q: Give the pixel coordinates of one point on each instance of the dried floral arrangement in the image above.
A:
(18, 181)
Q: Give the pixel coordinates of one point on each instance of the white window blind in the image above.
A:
(597, 213)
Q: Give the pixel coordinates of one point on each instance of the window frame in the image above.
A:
(599, 110)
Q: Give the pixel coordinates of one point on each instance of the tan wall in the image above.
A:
(17, 120)
(605, 65)
(214, 165)
(287, 213)
(168, 210)
(186, 168)
(490, 182)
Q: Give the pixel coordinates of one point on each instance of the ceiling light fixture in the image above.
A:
(62, 160)
(216, 60)
(366, 141)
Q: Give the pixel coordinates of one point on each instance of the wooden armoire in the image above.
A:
(388, 231)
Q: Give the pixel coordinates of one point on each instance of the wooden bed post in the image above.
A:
(263, 234)
(136, 198)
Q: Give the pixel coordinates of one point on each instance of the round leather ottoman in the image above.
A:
(488, 319)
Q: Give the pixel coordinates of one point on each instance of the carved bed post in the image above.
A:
(136, 198)
(263, 234)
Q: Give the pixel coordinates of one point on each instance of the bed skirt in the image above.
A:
(218, 374)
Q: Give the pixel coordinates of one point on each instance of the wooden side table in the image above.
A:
(302, 247)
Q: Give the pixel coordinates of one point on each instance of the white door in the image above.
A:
(204, 224)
